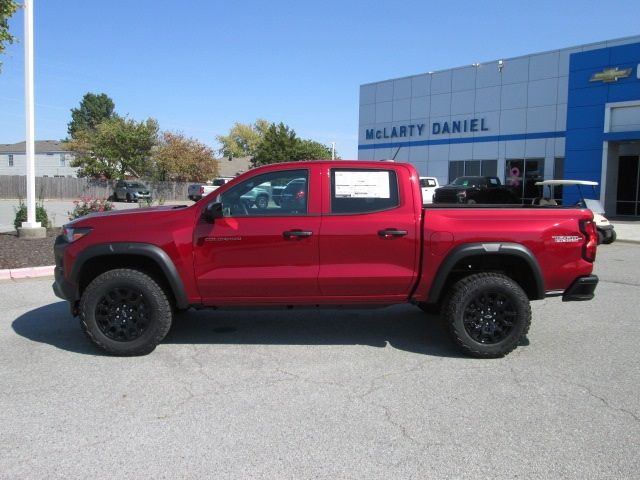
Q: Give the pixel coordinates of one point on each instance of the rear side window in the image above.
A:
(363, 190)
(427, 182)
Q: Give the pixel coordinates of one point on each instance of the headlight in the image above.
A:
(72, 234)
(462, 194)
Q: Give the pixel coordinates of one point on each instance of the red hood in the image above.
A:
(134, 214)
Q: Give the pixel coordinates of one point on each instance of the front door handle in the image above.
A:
(296, 234)
(392, 233)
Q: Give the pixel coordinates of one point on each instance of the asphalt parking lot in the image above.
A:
(325, 394)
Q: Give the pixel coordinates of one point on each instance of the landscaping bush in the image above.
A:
(87, 205)
(21, 215)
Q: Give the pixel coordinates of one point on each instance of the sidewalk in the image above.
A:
(627, 231)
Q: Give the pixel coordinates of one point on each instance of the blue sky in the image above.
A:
(199, 66)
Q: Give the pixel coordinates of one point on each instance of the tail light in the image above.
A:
(201, 190)
(588, 228)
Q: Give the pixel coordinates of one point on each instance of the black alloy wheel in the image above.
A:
(122, 314)
(489, 317)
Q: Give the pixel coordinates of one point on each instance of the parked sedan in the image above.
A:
(131, 191)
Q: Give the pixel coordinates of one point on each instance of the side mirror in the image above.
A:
(212, 211)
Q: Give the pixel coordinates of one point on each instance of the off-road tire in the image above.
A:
(158, 313)
(508, 304)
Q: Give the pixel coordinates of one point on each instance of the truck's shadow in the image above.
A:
(404, 327)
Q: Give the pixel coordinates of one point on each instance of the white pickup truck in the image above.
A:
(428, 186)
(198, 190)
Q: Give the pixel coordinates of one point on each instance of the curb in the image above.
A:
(629, 241)
(29, 272)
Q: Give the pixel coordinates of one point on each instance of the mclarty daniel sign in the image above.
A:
(437, 128)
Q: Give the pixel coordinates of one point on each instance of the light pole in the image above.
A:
(333, 150)
(30, 228)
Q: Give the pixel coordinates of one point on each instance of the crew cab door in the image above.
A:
(369, 238)
(261, 254)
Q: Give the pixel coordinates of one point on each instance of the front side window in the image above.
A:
(270, 194)
(363, 190)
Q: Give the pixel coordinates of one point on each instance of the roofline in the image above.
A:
(431, 72)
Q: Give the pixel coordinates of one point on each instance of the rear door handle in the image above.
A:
(296, 234)
(391, 233)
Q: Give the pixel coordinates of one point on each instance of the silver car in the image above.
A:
(131, 191)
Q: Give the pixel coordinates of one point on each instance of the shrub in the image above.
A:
(21, 215)
(87, 205)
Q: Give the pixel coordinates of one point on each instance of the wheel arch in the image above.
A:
(149, 258)
(512, 259)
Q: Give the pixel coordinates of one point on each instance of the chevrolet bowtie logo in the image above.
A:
(609, 75)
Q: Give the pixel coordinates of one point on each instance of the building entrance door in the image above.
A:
(627, 201)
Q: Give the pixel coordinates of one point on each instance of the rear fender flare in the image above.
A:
(493, 248)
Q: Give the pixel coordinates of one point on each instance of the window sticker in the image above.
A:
(362, 184)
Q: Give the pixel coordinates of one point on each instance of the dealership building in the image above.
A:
(572, 113)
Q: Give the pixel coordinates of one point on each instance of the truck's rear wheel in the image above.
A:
(125, 312)
(487, 314)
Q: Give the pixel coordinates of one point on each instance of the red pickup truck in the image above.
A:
(343, 233)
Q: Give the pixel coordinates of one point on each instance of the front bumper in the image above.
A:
(61, 286)
(581, 289)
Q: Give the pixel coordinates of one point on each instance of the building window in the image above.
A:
(472, 168)
(63, 160)
(522, 174)
(11, 160)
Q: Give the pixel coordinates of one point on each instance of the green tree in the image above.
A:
(183, 159)
(7, 9)
(279, 144)
(94, 109)
(312, 150)
(243, 139)
(117, 148)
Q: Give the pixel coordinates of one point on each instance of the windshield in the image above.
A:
(469, 181)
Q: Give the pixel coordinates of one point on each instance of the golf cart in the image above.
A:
(606, 233)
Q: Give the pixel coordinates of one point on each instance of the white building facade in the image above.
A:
(51, 160)
(571, 113)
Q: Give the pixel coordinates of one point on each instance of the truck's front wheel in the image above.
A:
(125, 312)
(487, 314)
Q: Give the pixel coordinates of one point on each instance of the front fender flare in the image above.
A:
(153, 252)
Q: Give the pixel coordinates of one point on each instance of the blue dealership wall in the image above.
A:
(586, 107)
